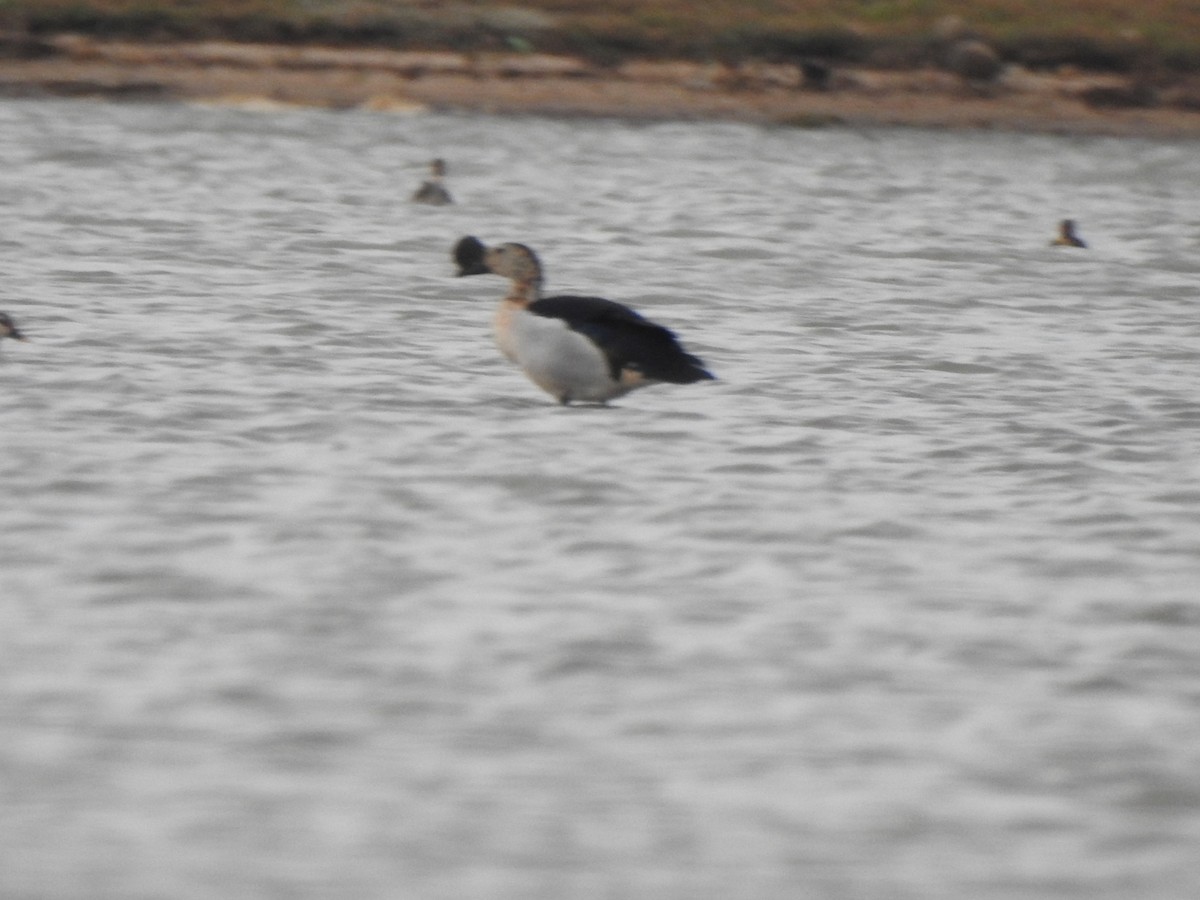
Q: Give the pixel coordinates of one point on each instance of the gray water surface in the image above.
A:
(308, 593)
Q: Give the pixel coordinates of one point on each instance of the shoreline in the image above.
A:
(1064, 102)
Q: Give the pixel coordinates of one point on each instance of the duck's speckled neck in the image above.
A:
(521, 267)
(523, 291)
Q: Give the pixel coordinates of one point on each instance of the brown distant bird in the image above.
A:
(433, 191)
(8, 328)
(1067, 236)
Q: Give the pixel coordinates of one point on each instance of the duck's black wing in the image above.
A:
(627, 339)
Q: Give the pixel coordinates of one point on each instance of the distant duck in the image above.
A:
(584, 349)
(8, 328)
(433, 191)
(1067, 236)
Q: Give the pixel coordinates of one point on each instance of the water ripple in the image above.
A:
(308, 591)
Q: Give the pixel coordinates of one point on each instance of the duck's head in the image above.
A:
(8, 328)
(438, 167)
(514, 261)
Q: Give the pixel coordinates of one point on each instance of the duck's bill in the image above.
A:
(468, 254)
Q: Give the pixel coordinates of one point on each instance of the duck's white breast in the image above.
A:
(560, 361)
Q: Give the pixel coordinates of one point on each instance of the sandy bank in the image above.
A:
(1062, 102)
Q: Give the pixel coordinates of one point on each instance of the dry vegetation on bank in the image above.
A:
(1103, 35)
(1096, 66)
